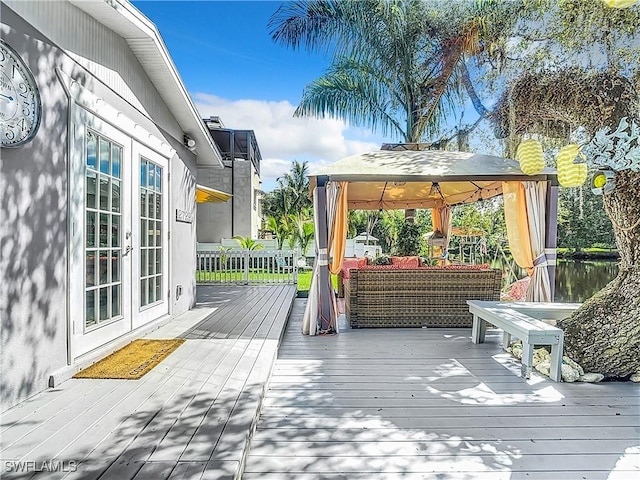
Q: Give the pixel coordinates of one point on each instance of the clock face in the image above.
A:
(19, 99)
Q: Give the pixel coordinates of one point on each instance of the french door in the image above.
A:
(119, 252)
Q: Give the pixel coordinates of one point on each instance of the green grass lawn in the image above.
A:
(304, 278)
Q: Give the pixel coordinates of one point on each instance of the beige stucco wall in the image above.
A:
(238, 216)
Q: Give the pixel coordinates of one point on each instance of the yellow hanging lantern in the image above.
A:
(570, 174)
(619, 3)
(530, 156)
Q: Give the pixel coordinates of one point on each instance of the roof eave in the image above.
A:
(127, 21)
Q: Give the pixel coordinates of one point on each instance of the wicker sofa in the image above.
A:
(418, 297)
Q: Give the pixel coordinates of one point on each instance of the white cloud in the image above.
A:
(283, 138)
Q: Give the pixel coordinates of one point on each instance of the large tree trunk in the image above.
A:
(604, 334)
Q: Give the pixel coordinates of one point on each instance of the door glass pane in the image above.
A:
(104, 193)
(115, 266)
(152, 175)
(105, 154)
(158, 234)
(158, 206)
(103, 262)
(151, 230)
(158, 287)
(90, 308)
(115, 231)
(91, 150)
(115, 301)
(115, 196)
(143, 232)
(158, 179)
(103, 303)
(91, 189)
(143, 292)
(116, 153)
(151, 205)
(152, 290)
(143, 203)
(143, 174)
(151, 258)
(91, 229)
(104, 230)
(90, 266)
(143, 262)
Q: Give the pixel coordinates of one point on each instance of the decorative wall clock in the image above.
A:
(20, 107)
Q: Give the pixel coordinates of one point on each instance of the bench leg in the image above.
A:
(527, 359)
(556, 360)
(506, 339)
(478, 330)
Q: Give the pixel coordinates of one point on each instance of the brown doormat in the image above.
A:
(132, 361)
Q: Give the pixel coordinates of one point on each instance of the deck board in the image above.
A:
(382, 404)
(204, 398)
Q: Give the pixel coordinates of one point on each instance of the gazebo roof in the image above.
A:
(365, 236)
(389, 179)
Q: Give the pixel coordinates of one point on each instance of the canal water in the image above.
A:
(578, 280)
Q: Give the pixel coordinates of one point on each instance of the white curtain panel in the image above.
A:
(312, 309)
(445, 220)
(539, 289)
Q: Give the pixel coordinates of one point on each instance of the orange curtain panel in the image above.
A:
(339, 230)
(516, 218)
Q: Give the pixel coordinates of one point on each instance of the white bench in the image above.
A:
(512, 319)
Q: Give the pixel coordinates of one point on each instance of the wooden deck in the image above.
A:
(428, 404)
(190, 417)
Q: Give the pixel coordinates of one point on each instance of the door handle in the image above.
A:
(127, 250)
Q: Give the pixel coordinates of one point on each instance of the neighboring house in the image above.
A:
(98, 207)
(240, 177)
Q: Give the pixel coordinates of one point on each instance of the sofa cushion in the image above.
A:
(482, 266)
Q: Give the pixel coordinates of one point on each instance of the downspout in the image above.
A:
(232, 139)
(70, 222)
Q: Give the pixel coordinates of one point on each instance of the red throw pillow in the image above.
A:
(348, 263)
(406, 262)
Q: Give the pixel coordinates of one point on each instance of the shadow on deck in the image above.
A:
(386, 404)
(190, 417)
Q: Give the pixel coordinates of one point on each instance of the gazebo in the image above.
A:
(408, 179)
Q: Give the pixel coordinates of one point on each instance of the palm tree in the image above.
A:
(248, 243)
(398, 65)
(294, 186)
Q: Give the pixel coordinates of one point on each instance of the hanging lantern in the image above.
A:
(619, 3)
(570, 174)
(530, 156)
(603, 181)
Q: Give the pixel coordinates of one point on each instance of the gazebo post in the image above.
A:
(324, 289)
(551, 234)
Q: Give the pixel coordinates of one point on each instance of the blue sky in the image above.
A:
(234, 70)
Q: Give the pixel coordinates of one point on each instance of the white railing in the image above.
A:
(247, 267)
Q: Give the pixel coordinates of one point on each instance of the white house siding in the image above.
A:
(100, 51)
(34, 183)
